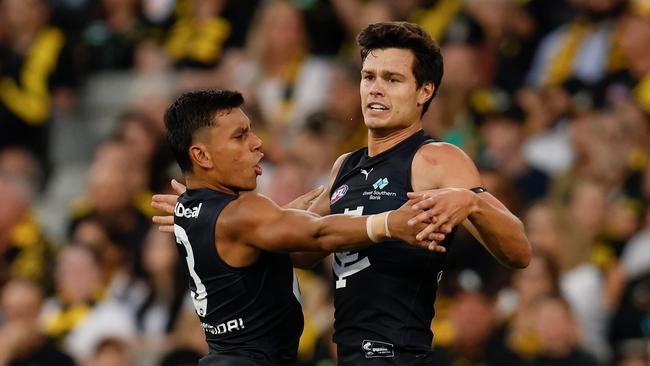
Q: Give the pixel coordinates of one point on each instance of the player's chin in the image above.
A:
(247, 184)
(251, 184)
(376, 122)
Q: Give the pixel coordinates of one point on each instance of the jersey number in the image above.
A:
(200, 297)
(346, 264)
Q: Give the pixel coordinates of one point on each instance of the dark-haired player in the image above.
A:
(242, 284)
(384, 295)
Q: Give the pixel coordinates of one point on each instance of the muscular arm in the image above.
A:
(447, 172)
(257, 221)
(254, 222)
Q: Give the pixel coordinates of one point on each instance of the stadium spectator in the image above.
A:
(22, 341)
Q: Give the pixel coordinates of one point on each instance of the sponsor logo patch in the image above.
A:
(192, 212)
(374, 349)
(380, 183)
(225, 327)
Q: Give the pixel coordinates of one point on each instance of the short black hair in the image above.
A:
(427, 65)
(191, 112)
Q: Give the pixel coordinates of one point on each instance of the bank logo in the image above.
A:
(380, 183)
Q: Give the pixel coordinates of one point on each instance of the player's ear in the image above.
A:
(425, 92)
(200, 155)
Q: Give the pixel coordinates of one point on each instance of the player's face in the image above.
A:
(389, 96)
(235, 151)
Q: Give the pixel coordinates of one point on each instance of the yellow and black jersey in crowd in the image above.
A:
(28, 254)
(26, 81)
(196, 43)
(64, 317)
(561, 68)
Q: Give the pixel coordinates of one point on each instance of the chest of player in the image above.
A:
(370, 190)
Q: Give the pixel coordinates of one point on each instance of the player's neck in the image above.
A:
(380, 140)
(194, 181)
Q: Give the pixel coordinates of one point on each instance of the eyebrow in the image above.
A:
(384, 74)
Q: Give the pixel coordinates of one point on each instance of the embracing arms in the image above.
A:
(253, 222)
(257, 221)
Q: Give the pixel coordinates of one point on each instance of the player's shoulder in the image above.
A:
(253, 207)
(248, 202)
(338, 163)
(439, 153)
(245, 212)
(440, 164)
(439, 147)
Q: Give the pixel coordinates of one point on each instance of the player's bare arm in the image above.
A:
(444, 174)
(254, 222)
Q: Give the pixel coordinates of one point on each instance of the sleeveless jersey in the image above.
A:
(250, 312)
(384, 294)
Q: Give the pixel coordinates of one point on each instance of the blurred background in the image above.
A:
(551, 99)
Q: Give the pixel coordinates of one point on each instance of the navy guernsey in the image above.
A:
(252, 312)
(384, 294)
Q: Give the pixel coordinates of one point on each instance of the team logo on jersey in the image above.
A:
(338, 194)
(374, 349)
(380, 183)
(346, 264)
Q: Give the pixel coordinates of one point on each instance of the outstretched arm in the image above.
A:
(445, 174)
(257, 221)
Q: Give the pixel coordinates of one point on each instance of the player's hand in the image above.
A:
(443, 208)
(167, 203)
(399, 223)
(304, 202)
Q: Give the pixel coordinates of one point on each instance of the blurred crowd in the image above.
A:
(551, 99)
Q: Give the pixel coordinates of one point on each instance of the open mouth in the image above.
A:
(377, 107)
(258, 166)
